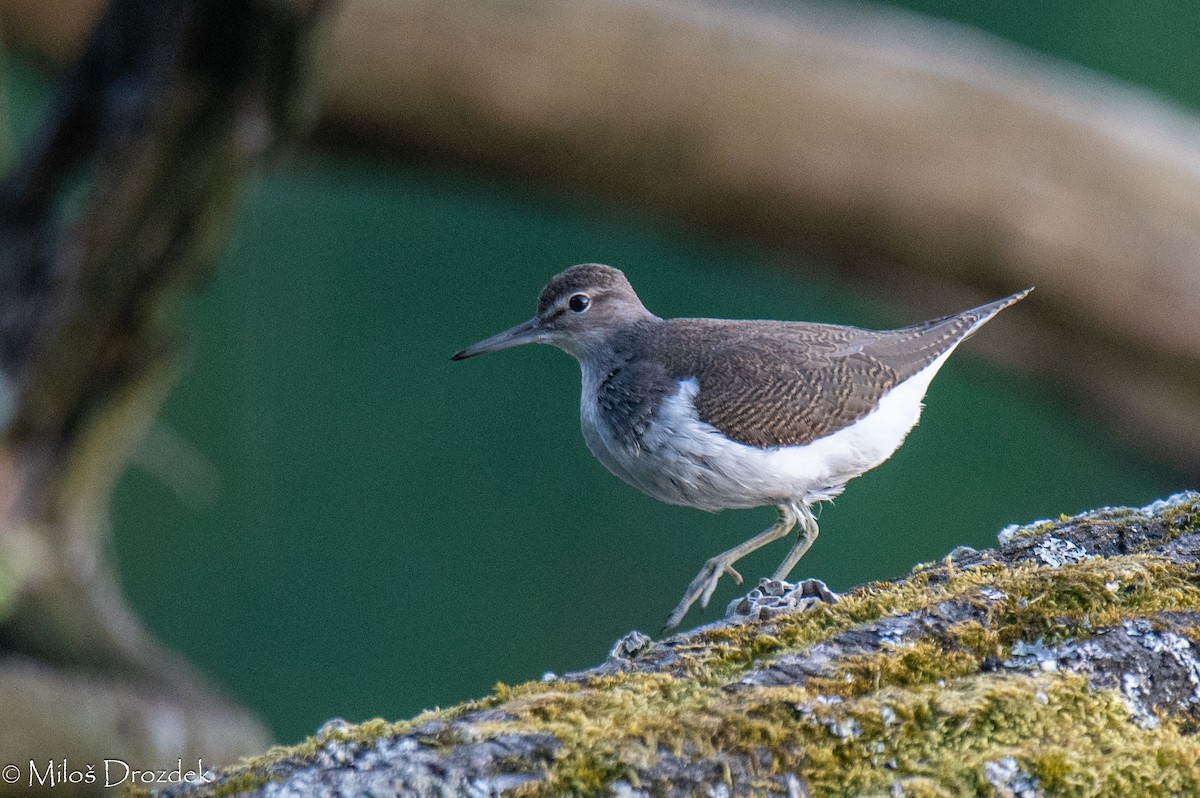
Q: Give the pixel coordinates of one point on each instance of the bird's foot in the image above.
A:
(702, 588)
(773, 597)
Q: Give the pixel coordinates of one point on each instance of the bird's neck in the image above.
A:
(611, 346)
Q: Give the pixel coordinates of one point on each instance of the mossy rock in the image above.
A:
(1062, 663)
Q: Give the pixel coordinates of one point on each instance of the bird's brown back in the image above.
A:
(770, 383)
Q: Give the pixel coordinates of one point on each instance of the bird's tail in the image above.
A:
(975, 317)
(984, 313)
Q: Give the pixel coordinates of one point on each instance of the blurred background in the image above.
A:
(329, 518)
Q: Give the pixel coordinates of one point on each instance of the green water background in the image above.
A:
(392, 531)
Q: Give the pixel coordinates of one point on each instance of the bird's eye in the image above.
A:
(579, 303)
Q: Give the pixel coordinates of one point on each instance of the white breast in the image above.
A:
(683, 460)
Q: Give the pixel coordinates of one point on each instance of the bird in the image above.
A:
(723, 414)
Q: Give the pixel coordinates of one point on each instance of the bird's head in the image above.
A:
(576, 311)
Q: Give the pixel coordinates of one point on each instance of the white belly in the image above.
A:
(683, 460)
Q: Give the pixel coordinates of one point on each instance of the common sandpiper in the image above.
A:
(719, 414)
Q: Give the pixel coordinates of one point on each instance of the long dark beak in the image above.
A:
(526, 333)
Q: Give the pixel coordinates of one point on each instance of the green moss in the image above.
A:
(1182, 518)
(1055, 727)
(923, 662)
(922, 715)
(240, 782)
(947, 719)
(583, 772)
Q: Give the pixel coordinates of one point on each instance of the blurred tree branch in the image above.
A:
(933, 163)
(110, 214)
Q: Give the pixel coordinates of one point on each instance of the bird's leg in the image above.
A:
(808, 534)
(705, 583)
